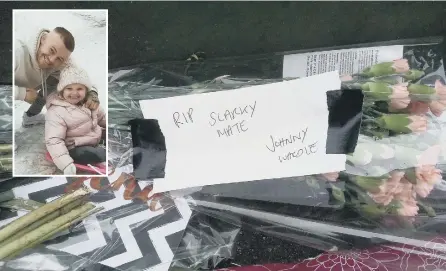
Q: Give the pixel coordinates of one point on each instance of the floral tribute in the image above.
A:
(394, 166)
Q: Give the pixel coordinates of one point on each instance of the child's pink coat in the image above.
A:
(65, 121)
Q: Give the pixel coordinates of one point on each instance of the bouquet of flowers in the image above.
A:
(394, 166)
(397, 150)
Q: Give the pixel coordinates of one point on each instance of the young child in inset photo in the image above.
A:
(73, 132)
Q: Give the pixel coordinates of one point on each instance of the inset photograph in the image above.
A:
(60, 92)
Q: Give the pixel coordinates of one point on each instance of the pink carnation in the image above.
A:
(401, 65)
(418, 123)
(430, 156)
(437, 107)
(407, 198)
(346, 77)
(427, 177)
(388, 189)
(408, 209)
(399, 91)
(331, 176)
(418, 108)
(399, 99)
(397, 104)
(440, 89)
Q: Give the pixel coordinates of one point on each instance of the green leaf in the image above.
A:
(362, 196)
(413, 75)
(312, 182)
(427, 208)
(380, 69)
(370, 184)
(420, 89)
(371, 210)
(393, 207)
(337, 193)
(410, 175)
(395, 122)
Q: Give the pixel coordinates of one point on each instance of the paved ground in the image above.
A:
(30, 155)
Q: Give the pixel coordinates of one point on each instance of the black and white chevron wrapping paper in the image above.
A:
(125, 235)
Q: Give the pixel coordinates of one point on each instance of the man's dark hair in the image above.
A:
(67, 38)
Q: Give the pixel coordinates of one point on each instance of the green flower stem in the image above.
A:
(5, 148)
(55, 232)
(44, 232)
(370, 184)
(36, 215)
(369, 120)
(391, 80)
(376, 112)
(362, 196)
(367, 117)
(64, 210)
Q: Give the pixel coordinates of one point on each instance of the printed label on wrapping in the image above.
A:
(260, 132)
(346, 61)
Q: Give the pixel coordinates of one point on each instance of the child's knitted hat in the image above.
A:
(72, 74)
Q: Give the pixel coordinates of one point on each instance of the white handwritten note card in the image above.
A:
(253, 133)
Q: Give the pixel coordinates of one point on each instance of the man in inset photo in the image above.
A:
(38, 62)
